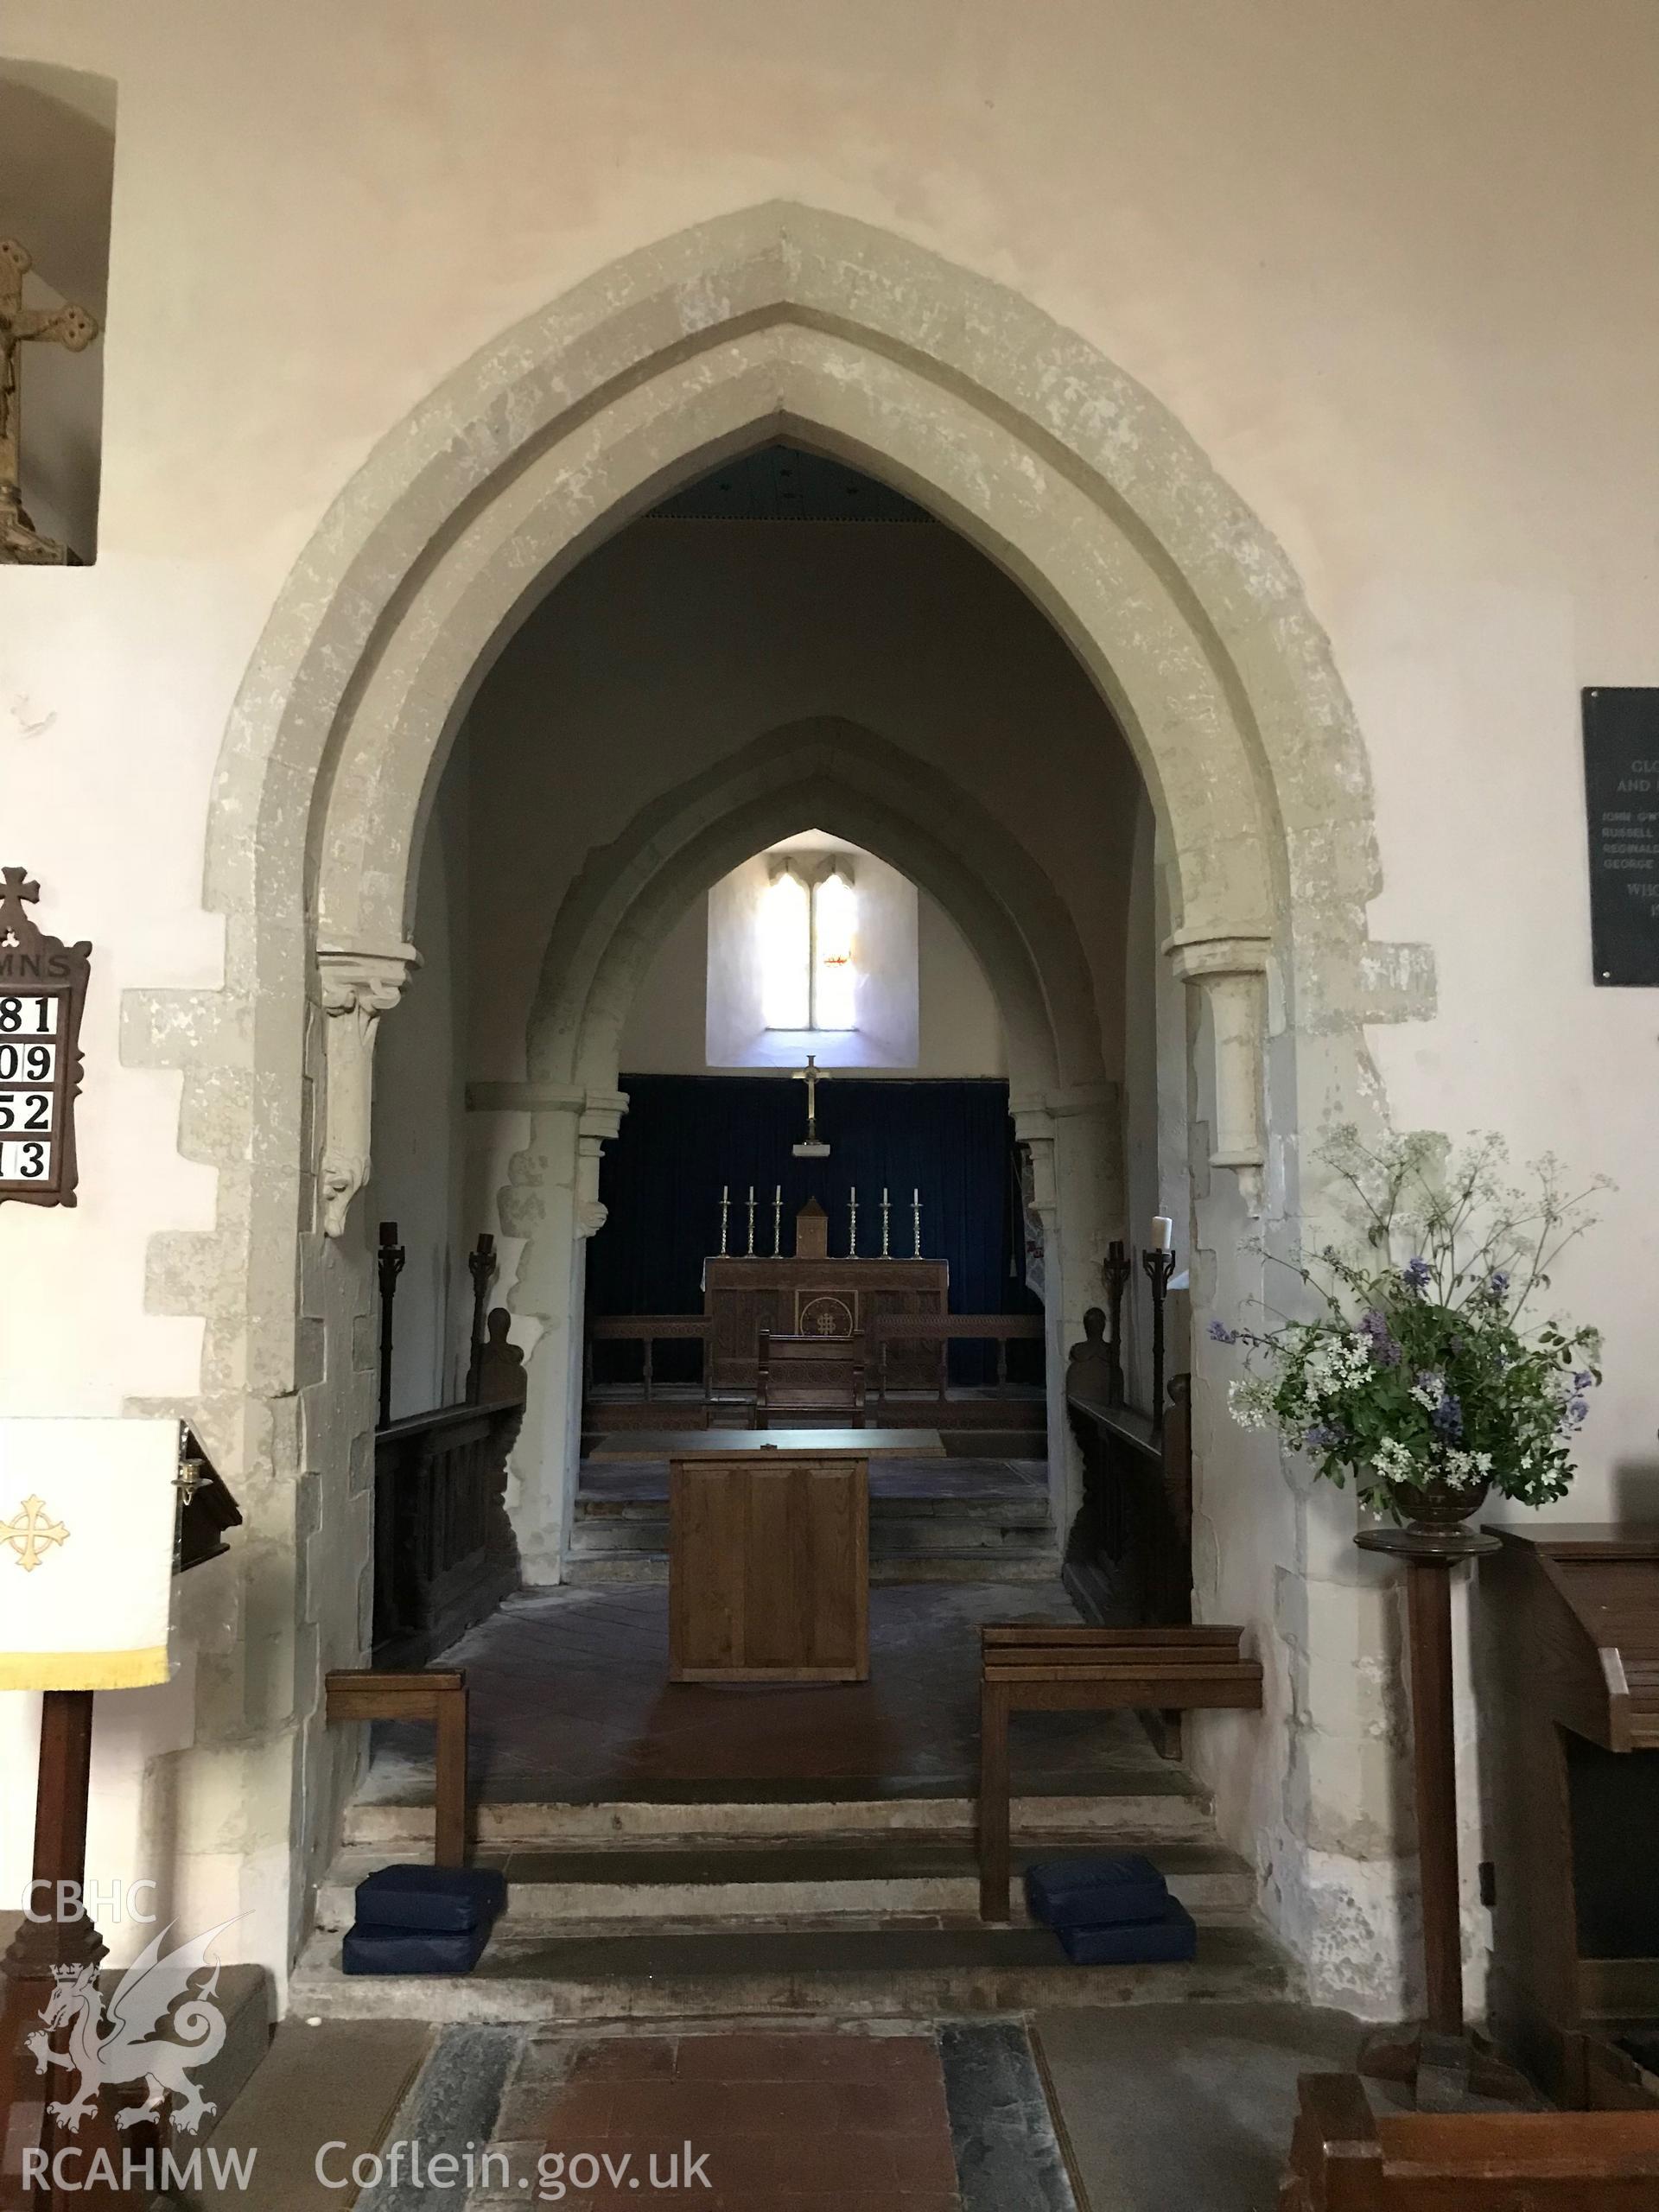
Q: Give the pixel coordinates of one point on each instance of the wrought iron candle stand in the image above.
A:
(1159, 1267)
(480, 1265)
(389, 1265)
(1115, 1269)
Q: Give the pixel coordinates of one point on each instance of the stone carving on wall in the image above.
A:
(68, 327)
(1232, 973)
(356, 988)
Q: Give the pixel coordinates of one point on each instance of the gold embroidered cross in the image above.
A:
(28, 1532)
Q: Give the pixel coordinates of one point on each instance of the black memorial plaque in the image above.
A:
(1621, 774)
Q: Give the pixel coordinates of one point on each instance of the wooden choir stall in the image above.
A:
(1573, 1611)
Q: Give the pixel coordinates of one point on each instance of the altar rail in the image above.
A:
(648, 1331)
(944, 1330)
(444, 1554)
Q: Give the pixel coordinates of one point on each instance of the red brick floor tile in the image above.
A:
(624, 2058)
(791, 2122)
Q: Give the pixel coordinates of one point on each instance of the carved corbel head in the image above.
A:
(356, 989)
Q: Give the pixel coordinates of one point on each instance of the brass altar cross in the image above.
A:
(811, 1076)
(28, 1533)
(69, 327)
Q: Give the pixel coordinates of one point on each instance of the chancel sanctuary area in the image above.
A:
(829, 1008)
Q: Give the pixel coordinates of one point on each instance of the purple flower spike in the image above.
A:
(1417, 1274)
(1498, 1283)
(1221, 1334)
(1584, 1379)
(1448, 1417)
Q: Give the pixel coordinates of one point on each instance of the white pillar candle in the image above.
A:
(1163, 1233)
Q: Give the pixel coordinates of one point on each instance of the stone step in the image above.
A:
(552, 1891)
(1126, 1811)
(846, 1974)
(627, 1569)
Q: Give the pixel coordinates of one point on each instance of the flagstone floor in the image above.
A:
(571, 1703)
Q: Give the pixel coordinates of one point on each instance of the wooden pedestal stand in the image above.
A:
(1449, 2068)
(28, 1969)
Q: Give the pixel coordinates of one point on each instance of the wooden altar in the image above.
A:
(811, 1294)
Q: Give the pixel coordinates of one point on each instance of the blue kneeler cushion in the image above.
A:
(412, 1950)
(423, 1919)
(1103, 1892)
(444, 1899)
(1164, 1942)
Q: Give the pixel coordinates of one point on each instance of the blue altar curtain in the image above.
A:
(684, 1136)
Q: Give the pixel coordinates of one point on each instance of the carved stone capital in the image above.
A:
(600, 1124)
(1232, 973)
(356, 989)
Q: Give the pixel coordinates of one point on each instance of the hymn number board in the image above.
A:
(42, 990)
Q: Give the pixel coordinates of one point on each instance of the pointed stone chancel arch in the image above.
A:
(831, 774)
(778, 321)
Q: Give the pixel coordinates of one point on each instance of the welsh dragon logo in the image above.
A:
(137, 2041)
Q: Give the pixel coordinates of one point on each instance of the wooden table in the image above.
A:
(769, 1551)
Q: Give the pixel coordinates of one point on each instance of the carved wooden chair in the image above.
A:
(810, 1381)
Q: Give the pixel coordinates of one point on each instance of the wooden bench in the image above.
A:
(1346, 2157)
(1031, 1668)
(437, 1695)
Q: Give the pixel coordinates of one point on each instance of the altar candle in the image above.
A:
(884, 1194)
(725, 1193)
(1163, 1233)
